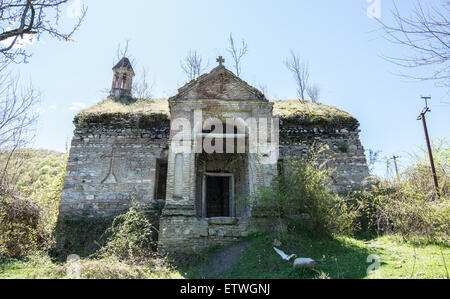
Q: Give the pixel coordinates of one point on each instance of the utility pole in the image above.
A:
(396, 167)
(430, 153)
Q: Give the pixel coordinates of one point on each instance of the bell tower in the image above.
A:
(122, 80)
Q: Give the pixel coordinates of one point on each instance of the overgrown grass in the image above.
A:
(40, 266)
(309, 113)
(125, 106)
(337, 258)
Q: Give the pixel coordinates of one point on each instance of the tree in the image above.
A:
(314, 93)
(373, 158)
(192, 65)
(17, 118)
(124, 52)
(427, 33)
(237, 54)
(300, 71)
(143, 88)
(263, 88)
(21, 19)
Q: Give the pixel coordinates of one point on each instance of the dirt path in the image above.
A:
(226, 259)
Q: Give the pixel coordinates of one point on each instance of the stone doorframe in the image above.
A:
(232, 190)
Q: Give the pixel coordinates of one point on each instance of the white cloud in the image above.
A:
(77, 106)
(74, 9)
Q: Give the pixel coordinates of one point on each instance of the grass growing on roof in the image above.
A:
(292, 111)
(126, 106)
(126, 112)
(309, 113)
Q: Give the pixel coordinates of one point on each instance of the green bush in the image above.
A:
(29, 209)
(20, 231)
(132, 236)
(303, 191)
(411, 207)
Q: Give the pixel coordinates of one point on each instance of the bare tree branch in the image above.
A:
(300, 71)
(263, 88)
(427, 34)
(237, 54)
(21, 19)
(17, 119)
(124, 52)
(192, 65)
(143, 87)
(314, 93)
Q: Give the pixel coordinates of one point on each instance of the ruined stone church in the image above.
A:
(201, 154)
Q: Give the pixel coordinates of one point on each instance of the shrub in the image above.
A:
(20, 230)
(403, 209)
(133, 236)
(411, 207)
(29, 209)
(303, 190)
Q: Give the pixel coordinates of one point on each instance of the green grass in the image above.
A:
(40, 266)
(337, 258)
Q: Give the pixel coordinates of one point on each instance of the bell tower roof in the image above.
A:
(123, 79)
(124, 63)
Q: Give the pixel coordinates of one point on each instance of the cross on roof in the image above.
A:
(220, 60)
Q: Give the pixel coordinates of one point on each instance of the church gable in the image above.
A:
(219, 84)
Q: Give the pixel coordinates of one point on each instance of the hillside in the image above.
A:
(39, 177)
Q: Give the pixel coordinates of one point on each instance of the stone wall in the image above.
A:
(345, 151)
(108, 167)
(183, 232)
(114, 159)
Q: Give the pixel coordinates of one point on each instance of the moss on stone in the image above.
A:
(307, 113)
(147, 113)
(120, 113)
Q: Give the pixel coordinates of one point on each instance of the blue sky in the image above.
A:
(337, 38)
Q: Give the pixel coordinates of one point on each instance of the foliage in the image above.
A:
(113, 268)
(20, 232)
(28, 214)
(411, 207)
(133, 236)
(40, 266)
(302, 190)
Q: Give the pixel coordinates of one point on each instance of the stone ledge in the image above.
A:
(223, 221)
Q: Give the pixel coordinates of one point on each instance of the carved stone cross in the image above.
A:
(111, 176)
(220, 60)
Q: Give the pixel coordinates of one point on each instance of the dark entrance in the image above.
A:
(161, 180)
(218, 196)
